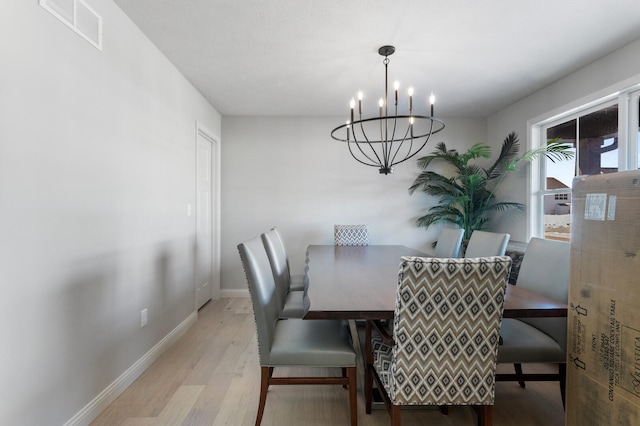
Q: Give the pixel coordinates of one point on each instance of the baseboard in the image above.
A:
(89, 413)
(234, 293)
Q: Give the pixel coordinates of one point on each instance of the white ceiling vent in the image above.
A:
(79, 16)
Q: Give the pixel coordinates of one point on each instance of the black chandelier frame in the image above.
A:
(387, 150)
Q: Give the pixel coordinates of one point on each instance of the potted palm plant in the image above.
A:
(467, 198)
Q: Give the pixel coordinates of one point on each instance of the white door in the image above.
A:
(204, 219)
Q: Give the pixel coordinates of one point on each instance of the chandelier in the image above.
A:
(386, 140)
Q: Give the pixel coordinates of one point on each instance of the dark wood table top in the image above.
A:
(359, 282)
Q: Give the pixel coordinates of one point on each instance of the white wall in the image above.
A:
(97, 166)
(616, 71)
(288, 172)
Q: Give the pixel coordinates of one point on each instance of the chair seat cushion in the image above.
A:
(294, 305)
(301, 342)
(522, 343)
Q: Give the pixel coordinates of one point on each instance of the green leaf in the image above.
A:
(467, 198)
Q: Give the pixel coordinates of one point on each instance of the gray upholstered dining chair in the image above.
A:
(293, 303)
(445, 336)
(294, 342)
(483, 243)
(277, 252)
(350, 235)
(449, 241)
(544, 270)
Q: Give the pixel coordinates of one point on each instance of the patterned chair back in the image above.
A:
(446, 330)
(351, 235)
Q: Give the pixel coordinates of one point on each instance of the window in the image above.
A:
(605, 138)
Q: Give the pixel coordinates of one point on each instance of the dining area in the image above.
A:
(398, 327)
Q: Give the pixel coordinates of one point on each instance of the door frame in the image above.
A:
(203, 131)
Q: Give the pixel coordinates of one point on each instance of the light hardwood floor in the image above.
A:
(211, 377)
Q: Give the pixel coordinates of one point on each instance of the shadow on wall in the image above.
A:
(93, 334)
(85, 325)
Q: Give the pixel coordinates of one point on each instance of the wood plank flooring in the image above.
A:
(211, 377)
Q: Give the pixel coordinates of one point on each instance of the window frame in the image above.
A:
(628, 101)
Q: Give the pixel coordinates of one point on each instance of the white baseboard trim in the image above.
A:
(234, 293)
(89, 413)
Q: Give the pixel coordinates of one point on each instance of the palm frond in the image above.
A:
(505, 205)
(467, 198)
(553, 150)
(429, 178)
(508, 152)
(476, 151)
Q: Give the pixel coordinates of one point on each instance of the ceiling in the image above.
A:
(309, 58)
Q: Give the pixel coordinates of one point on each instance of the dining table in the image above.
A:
(359, 283)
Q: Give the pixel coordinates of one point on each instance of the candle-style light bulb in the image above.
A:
(396, 86)
(432, 100)
(410, 125)
(360, 103)
(348, 125)
(381, 104)
(410, 99)
(353, 105)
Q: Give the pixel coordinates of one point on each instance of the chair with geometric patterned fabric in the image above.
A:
(294, 342)
(350, 235)
(445, 336)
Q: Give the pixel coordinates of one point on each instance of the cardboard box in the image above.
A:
(603, 351)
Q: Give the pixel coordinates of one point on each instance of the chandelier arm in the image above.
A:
(423, 145)
(366, 138)
(359, 143)
(373, 163)
(364, 154)
(393, 137)
(383, 141)
(400, 146)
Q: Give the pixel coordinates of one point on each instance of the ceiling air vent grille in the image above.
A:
(79, 16)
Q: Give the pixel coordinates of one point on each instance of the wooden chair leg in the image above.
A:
(485, 414)
(353, 394)
(368, 377)
(368, 388)
(344, 375)
(265, 374)
(562, 372)
(395, 415)
(518, 368)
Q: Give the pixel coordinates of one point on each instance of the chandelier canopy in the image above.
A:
(386, 140)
